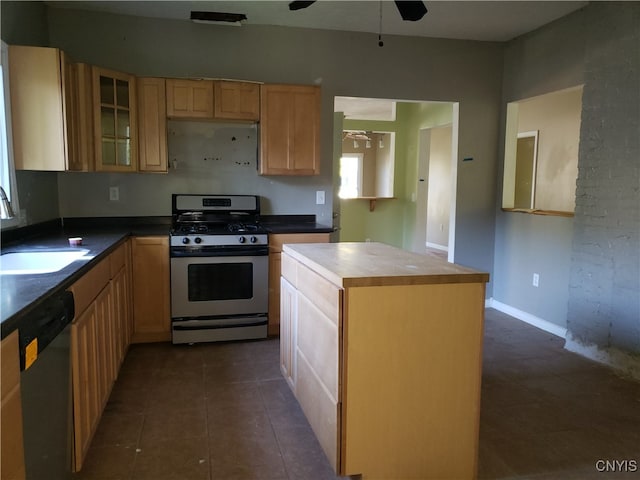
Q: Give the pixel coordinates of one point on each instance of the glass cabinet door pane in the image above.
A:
(108, 151)
(124, 152)
(108, 122)
(122, 91)
(124, 129)
(107, 93)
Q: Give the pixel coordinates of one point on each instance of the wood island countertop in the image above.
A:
(361, 264)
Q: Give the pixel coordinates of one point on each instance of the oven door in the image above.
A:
(219, 285)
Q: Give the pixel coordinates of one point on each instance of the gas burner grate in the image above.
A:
(192, 228)
(242, 227)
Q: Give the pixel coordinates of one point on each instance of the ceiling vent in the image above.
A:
(219, 18)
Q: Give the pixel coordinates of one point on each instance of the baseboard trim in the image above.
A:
(626, 363)
(527, 318)
(437, 246)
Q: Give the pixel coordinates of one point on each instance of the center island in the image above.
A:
(383, 350)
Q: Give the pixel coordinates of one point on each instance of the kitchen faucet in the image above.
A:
(6, 211)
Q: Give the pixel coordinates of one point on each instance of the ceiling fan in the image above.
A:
(409, 10)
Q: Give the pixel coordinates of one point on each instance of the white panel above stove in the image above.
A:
(213, 147)
(216, 203)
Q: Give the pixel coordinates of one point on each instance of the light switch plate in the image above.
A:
(114, 194)
(320, 197)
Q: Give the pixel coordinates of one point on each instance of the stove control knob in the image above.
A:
(198, 240)
(242, 239)
(253, 239)
(185, 240)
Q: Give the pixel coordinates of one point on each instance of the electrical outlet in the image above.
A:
(320, 197)
(114, 194)
(536, 279)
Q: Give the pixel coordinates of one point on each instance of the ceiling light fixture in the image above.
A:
(219, 18)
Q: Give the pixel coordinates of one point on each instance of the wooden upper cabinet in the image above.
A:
(152, 125)
(190, 98)
(81, 156)
(209, 100)
(237, 100)
(290, 130)
(115, 121)
(38, 104)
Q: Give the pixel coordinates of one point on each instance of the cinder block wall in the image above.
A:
(604, 295)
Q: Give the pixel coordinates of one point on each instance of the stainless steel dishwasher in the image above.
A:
(45, 384)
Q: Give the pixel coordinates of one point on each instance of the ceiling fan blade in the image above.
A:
(409, 10)
(300, 4)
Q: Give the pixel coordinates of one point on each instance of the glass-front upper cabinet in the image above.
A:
(115, 120)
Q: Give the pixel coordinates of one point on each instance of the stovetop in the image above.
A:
(202, 215)
(205, 228)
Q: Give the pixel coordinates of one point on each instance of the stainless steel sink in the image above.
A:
(38, 262)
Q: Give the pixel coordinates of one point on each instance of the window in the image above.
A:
(351, 175)
(7, 172)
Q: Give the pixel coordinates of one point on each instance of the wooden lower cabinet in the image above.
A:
(151, 307)
(12, 451)
(276, 240)
(120, 291)
(387, 375)
(86, 382)
(100, 337)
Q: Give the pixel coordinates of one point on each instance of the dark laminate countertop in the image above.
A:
(293, 224)
(22, 294)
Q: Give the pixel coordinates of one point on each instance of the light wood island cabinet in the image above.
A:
(276, 240)
(382, 349)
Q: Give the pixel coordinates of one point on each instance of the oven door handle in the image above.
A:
(203, 323)
(229, 251)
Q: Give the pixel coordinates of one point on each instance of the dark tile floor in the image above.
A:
(222, 411)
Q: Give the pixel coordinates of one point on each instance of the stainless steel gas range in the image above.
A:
(219, 268)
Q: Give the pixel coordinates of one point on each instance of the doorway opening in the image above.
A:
(418, 209)
(434, 187)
